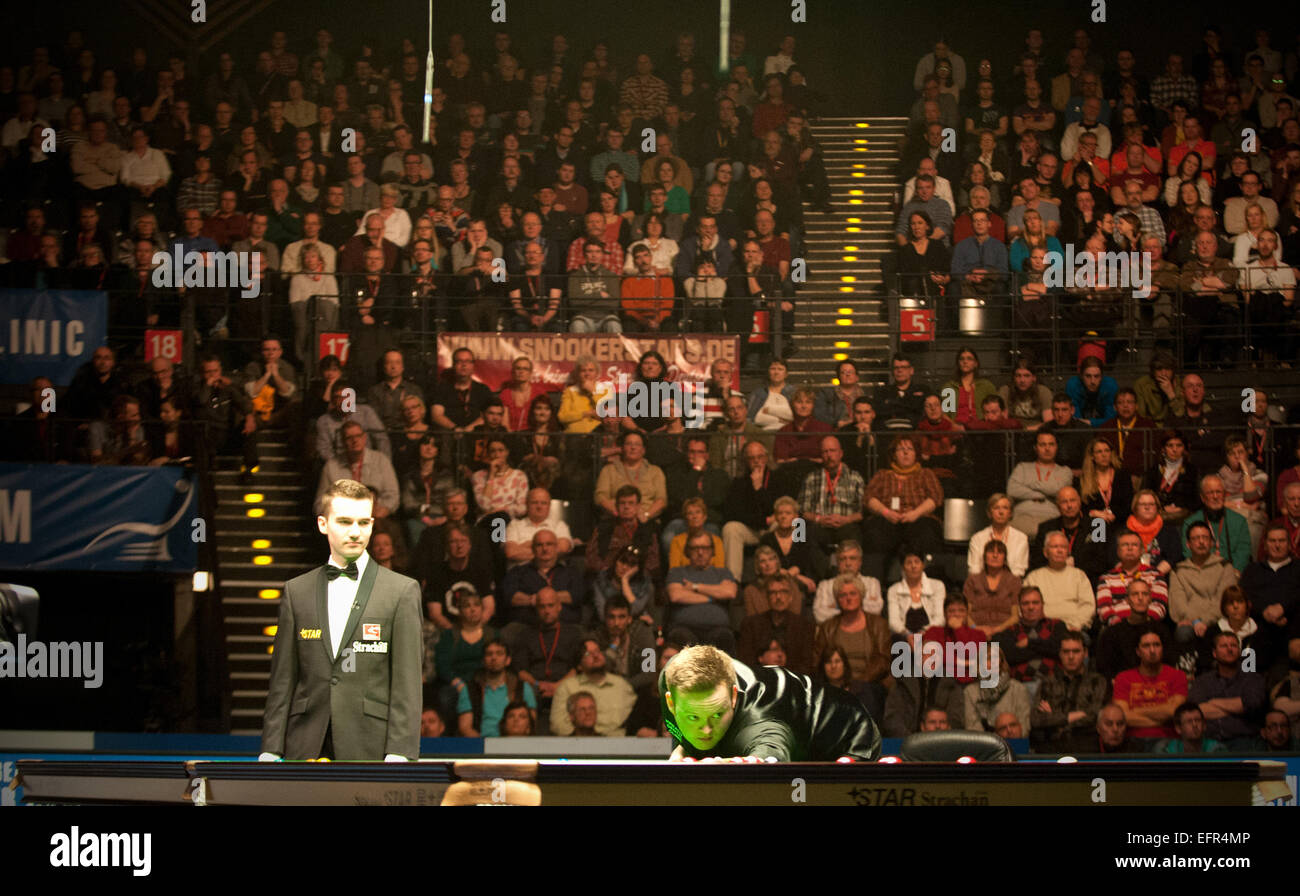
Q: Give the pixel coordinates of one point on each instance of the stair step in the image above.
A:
(269, 523)
(260, 478)
(279, 502)
(254, 620)
(279, 552)
(281, 571)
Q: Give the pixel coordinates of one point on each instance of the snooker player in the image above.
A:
(714, 706)
(346, 670)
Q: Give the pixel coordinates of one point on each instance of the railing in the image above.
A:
(922, 317)
(232, 326)
(1203, 331)
(425, 309)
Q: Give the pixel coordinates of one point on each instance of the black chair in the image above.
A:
(949, 746)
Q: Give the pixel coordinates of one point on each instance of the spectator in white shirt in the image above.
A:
(942, 186)
(145, 173)
(1000, 528)
(848, 560)
(520, 532)
(397, 223)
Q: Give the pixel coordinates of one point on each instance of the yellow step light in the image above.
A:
(256, 513)
(269, 593)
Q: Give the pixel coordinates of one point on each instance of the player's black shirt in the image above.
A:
(789, 718)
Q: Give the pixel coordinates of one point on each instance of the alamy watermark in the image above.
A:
(59, 659)
(642, 399)
(207, 270)
(1113, 270)
(980, 660)
(76, 849)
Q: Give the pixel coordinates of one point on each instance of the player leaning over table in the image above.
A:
(717, 708)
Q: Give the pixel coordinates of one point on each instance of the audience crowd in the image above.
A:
(1013, 165)
(1138, 572)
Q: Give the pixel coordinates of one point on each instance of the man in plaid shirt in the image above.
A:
(1068, 699)
(1032, 645)
(1173, 85)
(1149, 217)
(832, 497)
(645, 93)
(594, 224)
(202, 190)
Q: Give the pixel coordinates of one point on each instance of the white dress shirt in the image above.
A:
(341, 595)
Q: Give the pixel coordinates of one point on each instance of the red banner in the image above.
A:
(689, 357)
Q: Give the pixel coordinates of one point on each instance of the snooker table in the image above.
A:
(651, 783)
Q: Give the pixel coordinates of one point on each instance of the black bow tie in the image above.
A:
(333, 572)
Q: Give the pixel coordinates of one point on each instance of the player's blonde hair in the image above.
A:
(699, 668)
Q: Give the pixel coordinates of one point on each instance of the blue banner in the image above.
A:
(49, 332)
(117, 519)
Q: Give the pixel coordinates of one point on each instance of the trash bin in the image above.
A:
(962, 518)
(972, 317)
